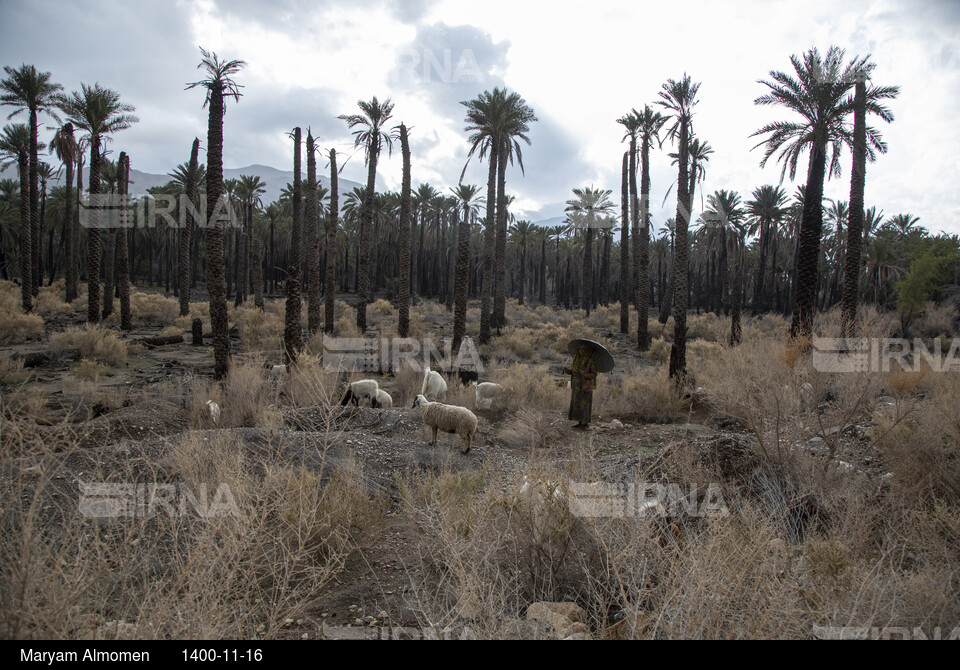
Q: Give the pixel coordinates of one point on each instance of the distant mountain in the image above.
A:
(552, 222)
(273, 178)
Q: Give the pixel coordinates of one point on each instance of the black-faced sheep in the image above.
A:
(365, 389)
(449, 419)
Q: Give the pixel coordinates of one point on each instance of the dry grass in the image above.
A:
(15, 325)
(272, 538)
(95, 343)
(260, 330)
(153, 308)
(11, 371)
(641, 394)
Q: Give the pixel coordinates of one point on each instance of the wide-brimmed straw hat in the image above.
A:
(601, 356)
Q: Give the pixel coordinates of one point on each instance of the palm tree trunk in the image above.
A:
(403, 314)
(70, 241)
(292, 335)
(678, 352)
(643, 263)
(26, 235)
(486, 289)
(366, 234)
(313, 241)
(93, 235)
(855, 220)
(808, 251)
(123, 257)
(187, 230)
(257, 269)
(625, 274)
(462, 281)
(36, 272)
(109, 266)
(499, 281)
(333, 215)
(216, 274)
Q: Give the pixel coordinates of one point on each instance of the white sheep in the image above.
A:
(384, 400)
(433, 385)
(365, 389)
(449, 419)
(485, 393)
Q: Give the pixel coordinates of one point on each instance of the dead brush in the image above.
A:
(153, 308)
(529, 428)
(643, 394)
(92, 342)
(15, 325)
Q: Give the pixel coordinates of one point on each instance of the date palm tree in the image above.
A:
(857, 184)
(818, 92)
(369, 133)
(99, 112)
(292, 332)
(219, 84)
(28, 90)
(725, 208)
(123, 256)
(15, 148)
(590, 206)
(625, 273)
(679, 98)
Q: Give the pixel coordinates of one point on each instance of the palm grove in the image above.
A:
(769, 251)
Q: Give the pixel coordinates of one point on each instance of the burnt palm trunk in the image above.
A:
(36, 273)
(123, 257)
(643, 262)
(759, 278)
(186, 231)
(313, 241)
(108, 240)
(678, 352)
(403, 314)
(332, 222)
(93, 235)
(292, 335)
(216, 213)
(256, 250)
(625, 245)
(366, 235)
(26, 235)
(68, 236)
(736, 298)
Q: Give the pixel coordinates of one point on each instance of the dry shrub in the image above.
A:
(309, 383)
(171, 331)
(774, 389)
(153, 308)
(88, 370)
(659, 351)
(529, 428)
(541, 342)
(530, 386)
(28, 403)
(920, 437)
(381, 307)
(93, 342)
(259, 330)
(346, 326)
(643, 394)
(15, 325)
(11, 370)
(49, 301)
(91, 393)
(409, 378)
(248, 396)
(936, 321)
(708, 326)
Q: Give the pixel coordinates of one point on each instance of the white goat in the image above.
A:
(485, 393)
(433, 385)
(449, 419)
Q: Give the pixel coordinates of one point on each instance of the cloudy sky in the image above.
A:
(579, 65)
